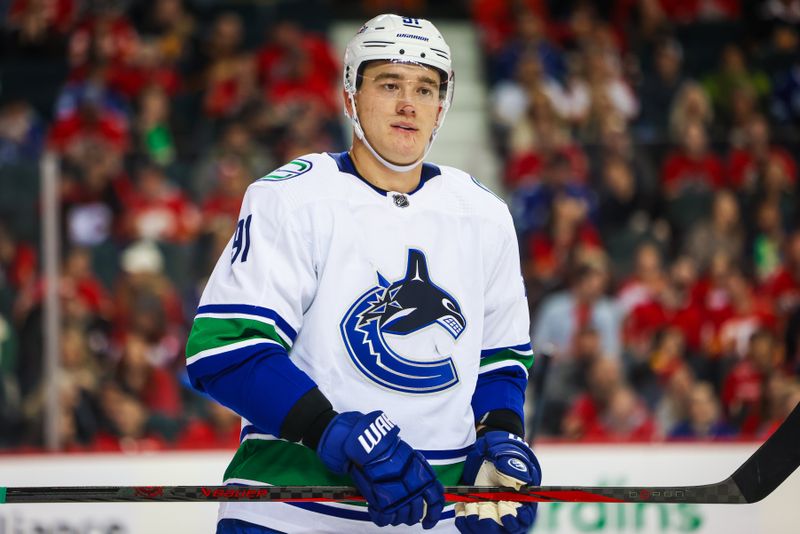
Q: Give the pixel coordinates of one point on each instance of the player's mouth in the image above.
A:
(404, 127)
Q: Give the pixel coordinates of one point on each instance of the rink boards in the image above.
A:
(562, 465)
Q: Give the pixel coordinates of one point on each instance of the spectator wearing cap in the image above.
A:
(148, 304)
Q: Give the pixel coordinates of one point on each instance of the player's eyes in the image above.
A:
(390, 86)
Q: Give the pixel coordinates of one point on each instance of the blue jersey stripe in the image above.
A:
(519, 348)
(211, 365)
(251, 310)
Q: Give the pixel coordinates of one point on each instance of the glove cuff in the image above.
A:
(353, 438)
(505, 420)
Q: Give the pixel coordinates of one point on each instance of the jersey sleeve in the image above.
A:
(506, 353)
(239, 346)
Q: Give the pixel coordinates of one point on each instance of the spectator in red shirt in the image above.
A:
(644, 285)
(92, 123)
(745, 164)
(218, 429)
(625, 419)
(147, 303)
(227, 72)
(784, 286)
(147, 68)
(671, 303)
(689, 175)
(750, 312)
(159, 210)
(784, 289)
(18, 260)
(53, 15)
(604, 378)
(693, 167)
(744, 388)
(105, 35)
(551, 250)
(787, 396)
(138, 375)
(689, 11)
(296, 66)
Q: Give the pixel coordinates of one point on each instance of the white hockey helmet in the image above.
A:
(403, 40)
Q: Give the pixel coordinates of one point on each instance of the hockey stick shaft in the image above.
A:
(764, 471)
(345, 493)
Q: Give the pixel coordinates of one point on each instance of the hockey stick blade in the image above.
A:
(759, 476)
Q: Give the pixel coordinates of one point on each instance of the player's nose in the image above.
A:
(406, 107)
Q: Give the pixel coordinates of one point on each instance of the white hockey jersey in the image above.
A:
(387, 301)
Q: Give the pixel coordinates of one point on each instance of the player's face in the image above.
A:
(398, 105)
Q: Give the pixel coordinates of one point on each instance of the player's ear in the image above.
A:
(347, 104)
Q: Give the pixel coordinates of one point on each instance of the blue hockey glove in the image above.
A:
(499, 459)
(397, 481)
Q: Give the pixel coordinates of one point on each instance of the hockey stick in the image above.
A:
(764, 471)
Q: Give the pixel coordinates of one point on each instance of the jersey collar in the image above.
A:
(345, 164)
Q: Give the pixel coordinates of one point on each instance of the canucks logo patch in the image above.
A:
(294, 168)
(400, 334)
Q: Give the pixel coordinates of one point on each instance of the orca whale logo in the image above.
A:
(402, 308)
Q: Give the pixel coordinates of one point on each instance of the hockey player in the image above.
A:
(368, 318)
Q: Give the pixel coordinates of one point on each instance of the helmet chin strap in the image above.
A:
(388, 164)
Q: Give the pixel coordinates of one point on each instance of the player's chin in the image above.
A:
(405, 153)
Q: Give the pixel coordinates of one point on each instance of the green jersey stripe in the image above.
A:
(212, 333)
(280, 463)
(526, 359)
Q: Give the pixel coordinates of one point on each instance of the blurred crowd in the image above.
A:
(648, 155)
(649, 150)
(162, 113)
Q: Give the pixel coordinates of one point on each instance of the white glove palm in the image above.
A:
(498, 459)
